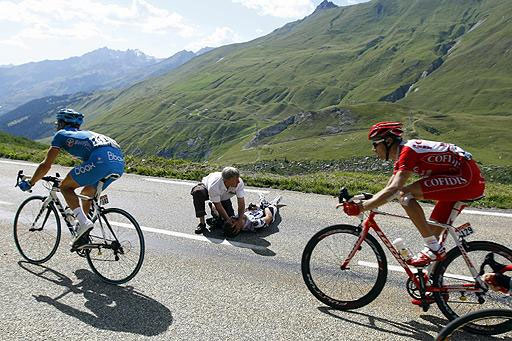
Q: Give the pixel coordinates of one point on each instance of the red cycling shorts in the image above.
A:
(448, 189)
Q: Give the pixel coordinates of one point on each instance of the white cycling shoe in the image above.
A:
(81, 230)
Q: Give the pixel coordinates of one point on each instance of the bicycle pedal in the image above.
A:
(81, 253)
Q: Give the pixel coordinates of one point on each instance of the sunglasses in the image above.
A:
(376, 142)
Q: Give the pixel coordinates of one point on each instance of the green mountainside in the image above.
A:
(310, 89)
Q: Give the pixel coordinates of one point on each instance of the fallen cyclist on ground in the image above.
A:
(256, 217)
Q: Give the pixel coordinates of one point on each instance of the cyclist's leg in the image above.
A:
(444, 212)
(433, 250)
(88, 191)
(100, 164)
(67, 188)
(409, 197)
(446, 189)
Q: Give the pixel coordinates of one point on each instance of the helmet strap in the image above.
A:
(388, 147)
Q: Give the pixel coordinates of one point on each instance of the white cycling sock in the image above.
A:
(432, 243)
(80, 215)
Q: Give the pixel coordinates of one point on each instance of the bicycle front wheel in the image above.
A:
(117, 246)
(453, 330)
(353, 287)
(36, 230)
(453, 271)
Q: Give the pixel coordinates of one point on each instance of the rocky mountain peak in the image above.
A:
(325, 5)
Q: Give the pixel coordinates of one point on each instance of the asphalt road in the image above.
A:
(204, 288)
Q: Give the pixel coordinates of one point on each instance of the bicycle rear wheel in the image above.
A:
(350, 288)
(454, 271)
(36, 230)
(453, 330)
(117, 250)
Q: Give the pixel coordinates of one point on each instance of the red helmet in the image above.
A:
(383, 129)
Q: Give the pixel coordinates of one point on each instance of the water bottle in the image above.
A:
(404, 251)
(70, 216)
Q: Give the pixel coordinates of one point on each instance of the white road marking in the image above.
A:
(495, 214)
(485, 213)
(5, 203)
(186, 183)
(375, 265)
(19, 163)
(193, 237)
(400, 269)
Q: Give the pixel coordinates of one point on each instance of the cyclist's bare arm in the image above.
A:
(394, 186)
(45, 166)
(241, 210)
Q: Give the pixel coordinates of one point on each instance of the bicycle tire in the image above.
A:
(462, 275)
(372, 251)
(25, 249)
(100, 262)
(460, 322)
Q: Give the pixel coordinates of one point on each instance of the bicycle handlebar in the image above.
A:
(21, 177)
(54, 179)
(345, 196)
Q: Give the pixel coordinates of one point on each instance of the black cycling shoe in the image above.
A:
(80, 242)
(201, 228)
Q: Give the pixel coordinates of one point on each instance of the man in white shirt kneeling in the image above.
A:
(219, 187)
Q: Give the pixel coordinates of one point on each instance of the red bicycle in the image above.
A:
(345, 267)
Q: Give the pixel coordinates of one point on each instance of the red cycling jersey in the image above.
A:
(427, 158)
(448, 174)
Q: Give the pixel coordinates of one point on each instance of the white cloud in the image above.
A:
(221, 36)
(85, 18)
(280, 8)
(14, 42)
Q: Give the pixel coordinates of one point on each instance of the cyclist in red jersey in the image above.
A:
(448, 174)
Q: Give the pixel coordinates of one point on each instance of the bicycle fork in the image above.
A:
(44, 207)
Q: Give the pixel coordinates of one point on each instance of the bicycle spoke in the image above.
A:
(354, 286)
(454, 271)
(39, 245)
(112, 265)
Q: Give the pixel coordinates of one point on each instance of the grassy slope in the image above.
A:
(212, 106)
(498, 195)
(476, 75)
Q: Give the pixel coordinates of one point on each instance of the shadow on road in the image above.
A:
(410, 330)
(460, 334)
(111, 307)
(246, 239)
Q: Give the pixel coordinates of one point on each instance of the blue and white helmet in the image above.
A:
(70, 116)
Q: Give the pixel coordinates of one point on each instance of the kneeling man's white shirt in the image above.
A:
(218, 192)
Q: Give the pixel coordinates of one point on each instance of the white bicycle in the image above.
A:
(114, 248)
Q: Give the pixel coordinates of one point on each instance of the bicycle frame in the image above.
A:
(95, 206)
(370, 224)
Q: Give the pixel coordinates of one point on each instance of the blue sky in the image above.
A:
(34, 30)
